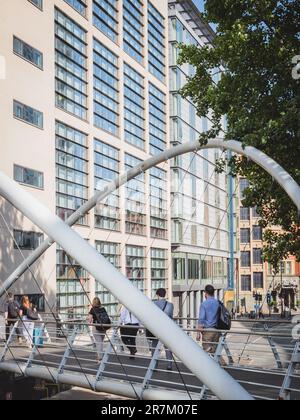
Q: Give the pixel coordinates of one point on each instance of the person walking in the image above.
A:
(28, 315)
(129, 330)
(12, 316)
(168, 309)
(99, 319)
(208, 320)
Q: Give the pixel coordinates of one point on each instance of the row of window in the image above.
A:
(257, 234)
(71, 85)
(105, 18)
(245, 213)
(246, 282)
(257, 254)
(72, 279)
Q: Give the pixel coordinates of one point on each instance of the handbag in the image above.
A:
(32, 315)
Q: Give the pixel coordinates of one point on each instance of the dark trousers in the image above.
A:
(7, 329)
(128, 336)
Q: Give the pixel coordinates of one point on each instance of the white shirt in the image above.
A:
(128, 318)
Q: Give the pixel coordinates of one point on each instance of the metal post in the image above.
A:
(34, 350)
(195, 359)
(6, 348)
(274, 348)
(285, 392)
(67, 352)
(104, 361)
(151, 368)
(275, 170)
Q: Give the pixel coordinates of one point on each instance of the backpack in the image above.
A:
(224, 318)
(13, 310)
(101, 317)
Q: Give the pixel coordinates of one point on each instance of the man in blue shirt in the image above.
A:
(208, 320)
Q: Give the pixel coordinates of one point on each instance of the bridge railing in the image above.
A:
(262, 356)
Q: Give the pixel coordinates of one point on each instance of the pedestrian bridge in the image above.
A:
(261, 356)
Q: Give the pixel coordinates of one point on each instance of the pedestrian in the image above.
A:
(208, 320)
(129, 330)
(168, 309)
(99, 319)
(12, 316)
(28, 315)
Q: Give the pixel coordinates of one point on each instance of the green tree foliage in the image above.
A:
(254, 47)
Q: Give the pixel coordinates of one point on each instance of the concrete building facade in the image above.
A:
(85, 98)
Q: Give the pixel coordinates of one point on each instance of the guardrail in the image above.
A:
(262, 356)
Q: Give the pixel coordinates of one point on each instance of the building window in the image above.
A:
(37, 3)
(71, 171)
(136, 266)
(246, 259)
(245, 213)
(157, 120)
(158, 203)
(245, 236)
(27, 241)
(158, 268)
(79, 5)
(135, 200)
(105, 17)
(246, 284)
(72, 285)
(134, 113)
(255, 214)
(70, 66)
(133, 29)
(257, 233)
(106, 170)
(257, 256)
(28, 177)
(244, 184)
(28, 53)
(106, 97)
(207, 268)
(258, 280)
(111, 251)
(179, 268)
(29, 115)
(193, 269)
(156, 43)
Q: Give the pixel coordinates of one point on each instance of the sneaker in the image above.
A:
(170, 368)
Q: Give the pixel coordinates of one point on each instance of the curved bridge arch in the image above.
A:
(216, 379)
(270, 166)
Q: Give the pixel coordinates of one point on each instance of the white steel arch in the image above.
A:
(268, 164)
(216, 379)
(183, 346)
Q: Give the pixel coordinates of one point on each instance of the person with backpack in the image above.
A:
(99, 319)
(168, 309)
(129, 330)
(12, 316)
(213, 316)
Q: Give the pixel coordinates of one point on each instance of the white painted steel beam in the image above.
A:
(275, 170)
(108, 386)
(184, 347)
